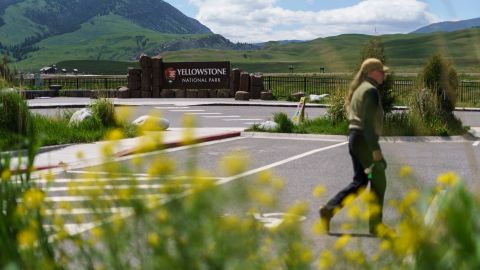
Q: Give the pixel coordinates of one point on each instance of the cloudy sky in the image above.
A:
(264, 20)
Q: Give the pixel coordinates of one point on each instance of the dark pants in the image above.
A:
(362, 158)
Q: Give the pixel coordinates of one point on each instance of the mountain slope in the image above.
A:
(38, 19)
(113, 37)
(448, 26)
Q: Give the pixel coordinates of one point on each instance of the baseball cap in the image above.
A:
(371, 64)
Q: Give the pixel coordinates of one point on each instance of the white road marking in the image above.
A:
(205, 113)
(186, 110)
(476, 143)
(86, 211)
(278, 163)
(171, 108)
(243, 119)
(114, 187)
(221, 116)
(57, 199)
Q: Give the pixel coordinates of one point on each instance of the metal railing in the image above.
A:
(283, 86)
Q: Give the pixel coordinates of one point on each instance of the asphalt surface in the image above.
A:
(303, 162)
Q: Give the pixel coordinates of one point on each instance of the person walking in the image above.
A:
(365, 116)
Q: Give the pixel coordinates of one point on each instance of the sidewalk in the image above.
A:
(91, 154)
(70, 102)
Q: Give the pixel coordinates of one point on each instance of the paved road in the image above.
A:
(235, 116)
(303, 162)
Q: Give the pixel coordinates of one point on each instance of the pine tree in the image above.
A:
(374, 48)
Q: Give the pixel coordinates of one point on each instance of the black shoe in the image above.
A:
(325, 217)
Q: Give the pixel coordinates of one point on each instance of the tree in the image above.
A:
(374, 48)
(440, 77)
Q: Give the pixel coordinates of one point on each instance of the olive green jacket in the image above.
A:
(366, 112)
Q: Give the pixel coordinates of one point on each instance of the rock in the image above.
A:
(266, 95)
(268, 125)
(223, 93)
(79, 116)
(314, 97)
(152, 123)
(296, 96)
(242, 95)
(123, 92)
(180, 93)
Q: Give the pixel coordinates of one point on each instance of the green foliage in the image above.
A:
(285, 124)
(104, 110)
(337, 112)
(6, 73)
(439, 76)
(207, 226)
(14, 113)
(374, 48)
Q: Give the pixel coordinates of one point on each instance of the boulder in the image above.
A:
(266, 95)
(223, 93)
(242, 95)
(123, 92)
(296, 96)
(79, 116)
(151, 123)
(268, 125)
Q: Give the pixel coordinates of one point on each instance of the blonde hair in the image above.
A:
(368, 65)
(359, 78)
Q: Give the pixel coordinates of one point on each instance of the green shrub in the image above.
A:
(337, 111)
(14, 113)
(440, 77)
(285, 125)
(104, 110)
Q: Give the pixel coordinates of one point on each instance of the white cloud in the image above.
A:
(263, 20)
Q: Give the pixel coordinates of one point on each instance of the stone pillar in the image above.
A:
(244, 82)
(146, 66)
(157, 76)
(234, 81)
(256, 86)
(134, 82)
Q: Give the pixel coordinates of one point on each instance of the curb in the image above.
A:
(209, 138)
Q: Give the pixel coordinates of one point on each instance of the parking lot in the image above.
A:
(302, 161)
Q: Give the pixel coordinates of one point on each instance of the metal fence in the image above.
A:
(80, 82)
(283, 86)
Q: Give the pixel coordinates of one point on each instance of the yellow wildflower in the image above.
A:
(162, 215)
(33, 198)
(405, 171)
(326, 260)
(342, 241)
(27, 238)
(6, 174)
(80, 155)
(448, 179)
(319, 191)
(234, 163)
(153, 239)
(348, 200)
(115, 135)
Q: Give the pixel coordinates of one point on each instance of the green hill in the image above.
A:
(405, 53)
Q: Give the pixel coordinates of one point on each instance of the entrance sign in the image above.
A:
(196, 75)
